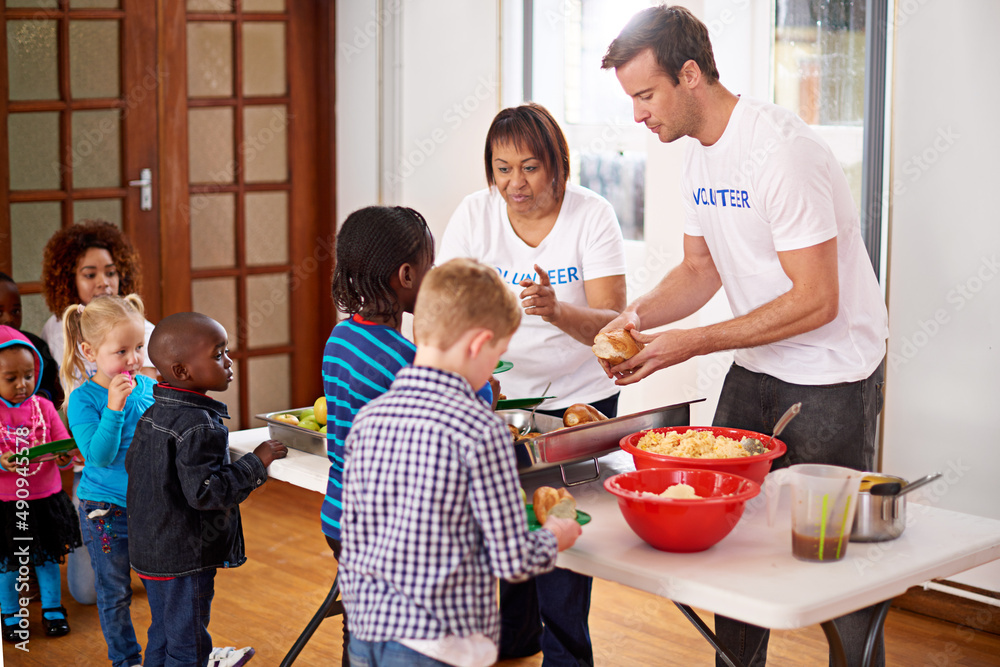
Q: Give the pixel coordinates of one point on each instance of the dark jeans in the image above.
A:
(837, 426)
(550, 612)
(547, 613)
(181, 609)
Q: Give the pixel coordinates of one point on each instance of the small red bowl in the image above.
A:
(681, 525)
(752, 467)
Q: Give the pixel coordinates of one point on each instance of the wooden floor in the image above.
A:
(266, 602)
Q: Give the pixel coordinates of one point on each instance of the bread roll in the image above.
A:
(581, 413)
(615, 346)
(546, 499)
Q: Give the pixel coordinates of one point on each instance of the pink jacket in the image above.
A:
(26, 424)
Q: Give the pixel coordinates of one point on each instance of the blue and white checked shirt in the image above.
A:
(432, 513)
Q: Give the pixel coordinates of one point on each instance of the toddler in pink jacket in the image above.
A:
(39, 524)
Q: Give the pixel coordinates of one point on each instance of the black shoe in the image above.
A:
(56, 627)
(9, 630)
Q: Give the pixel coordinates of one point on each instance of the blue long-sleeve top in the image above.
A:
(104, 435)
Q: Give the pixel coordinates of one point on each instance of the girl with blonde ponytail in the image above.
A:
(102, 314)
(103, 412)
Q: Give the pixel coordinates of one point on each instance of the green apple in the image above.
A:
(309, 423)
(323, 429)
(524, 496)
(306, 414)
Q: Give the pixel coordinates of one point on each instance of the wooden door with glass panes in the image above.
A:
(79, 88)
(243, 225)
(226, 103)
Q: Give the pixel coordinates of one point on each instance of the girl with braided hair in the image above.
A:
(383, 253)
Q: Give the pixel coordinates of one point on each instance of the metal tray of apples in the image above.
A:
(304, 439)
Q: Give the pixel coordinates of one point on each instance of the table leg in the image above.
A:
(331, 607)
(874, 630)
(837, 656)
(726, 655)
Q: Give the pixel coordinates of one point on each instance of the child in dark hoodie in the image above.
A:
(39, 523)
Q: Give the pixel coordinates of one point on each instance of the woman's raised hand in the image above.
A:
(539, 298)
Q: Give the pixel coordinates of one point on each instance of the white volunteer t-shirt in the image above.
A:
(585, 243)
(770, 184)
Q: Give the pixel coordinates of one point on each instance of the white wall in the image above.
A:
(357, 23)
(440, 91)
(942, 386)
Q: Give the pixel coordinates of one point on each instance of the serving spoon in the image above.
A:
(531, 418)
(755, 446)
(897, 489)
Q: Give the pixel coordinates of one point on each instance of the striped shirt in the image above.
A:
(360, 361)
(432, 513)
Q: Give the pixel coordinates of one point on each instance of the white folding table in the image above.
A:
(751, 574)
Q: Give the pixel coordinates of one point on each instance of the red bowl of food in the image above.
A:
(753, 467)
(681, 525)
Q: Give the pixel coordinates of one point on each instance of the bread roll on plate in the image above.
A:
(615, 346)
(581, 413)
(553, 502)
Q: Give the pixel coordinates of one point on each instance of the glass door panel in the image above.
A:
(32, 60)
(93, 59)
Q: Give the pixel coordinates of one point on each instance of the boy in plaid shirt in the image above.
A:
(432, 511)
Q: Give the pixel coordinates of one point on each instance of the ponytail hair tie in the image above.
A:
(80, 308)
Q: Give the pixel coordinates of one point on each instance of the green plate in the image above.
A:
(502, 366)
(582, 518)
(55, 447)
(517, 403)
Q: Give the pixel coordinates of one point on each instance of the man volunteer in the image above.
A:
(769, 216)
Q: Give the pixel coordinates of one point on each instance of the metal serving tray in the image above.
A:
(296, 437)
(586, 441)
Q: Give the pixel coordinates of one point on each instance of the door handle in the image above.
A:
(145, 183)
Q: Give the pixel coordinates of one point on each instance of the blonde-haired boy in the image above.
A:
(432, 511)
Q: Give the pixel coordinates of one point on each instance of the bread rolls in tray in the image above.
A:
(615, 346)
(581, 413)
(548, 501)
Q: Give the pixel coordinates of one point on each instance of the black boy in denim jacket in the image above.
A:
(183, 491)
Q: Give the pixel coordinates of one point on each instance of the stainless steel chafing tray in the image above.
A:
(296, 437)
(586, 441)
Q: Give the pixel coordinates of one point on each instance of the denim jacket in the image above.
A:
(183, 492)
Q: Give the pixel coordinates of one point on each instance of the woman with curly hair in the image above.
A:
(86, 260)
(83, 261)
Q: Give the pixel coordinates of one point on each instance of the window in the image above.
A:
(818, 58)
(819, 73)
(562, 45)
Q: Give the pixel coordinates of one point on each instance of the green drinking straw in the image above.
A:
(822, 527)
(843, 526)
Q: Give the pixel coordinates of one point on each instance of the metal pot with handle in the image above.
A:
(881, 510)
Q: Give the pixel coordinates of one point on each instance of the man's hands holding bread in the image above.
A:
(555, 510)
(627, 364)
